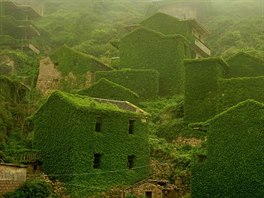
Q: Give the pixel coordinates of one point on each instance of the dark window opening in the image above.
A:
(148, 194)
(201, 158)
(131, 126)
(130, 161)
(98, 124)
(35, 167)
(97, 160)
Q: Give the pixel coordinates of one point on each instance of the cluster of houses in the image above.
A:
(103, 140)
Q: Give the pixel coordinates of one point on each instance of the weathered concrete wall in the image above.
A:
(11, 177)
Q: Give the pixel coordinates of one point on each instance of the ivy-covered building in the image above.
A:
(209, 90)
(161, 43)
(91, 142)
(234, 163)
(68, 69)
(110, 90)
(245, 65)
(144, 82)
(16, 24)
(193, 31)
(144, 48)
(13, 107)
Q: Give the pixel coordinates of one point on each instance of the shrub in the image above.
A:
(31, 188)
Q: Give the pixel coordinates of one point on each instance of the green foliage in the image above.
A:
(76, 67)
(158, 106)
(65, 134)
(235, 90)
(32, 188)
(245, 65)
(20, 66)
(78, 63)
(147, 49)
(240, 26)
(172, 25)
(109, 90)
(178, 128)
(144, 82)
(201, 83)
(234, 161)
(6, 40)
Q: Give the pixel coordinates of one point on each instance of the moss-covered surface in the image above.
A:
(144, 82)
(65, 134)
(245, 65)
(110, 90)
(201, 84)
(208, 91)
(171, 26)
(234, 165)
(70, 60)
(148, 49)
(13, 109)
(19, 65)
(234, 90)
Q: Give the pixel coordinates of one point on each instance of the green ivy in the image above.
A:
(144, 82)
(172, 25)
(110, 90)
(234, 90)
(77, 63)
(148, 49)
(244, 65)
(32, 188)
(234, 165)
(65, 135)
(201, 83)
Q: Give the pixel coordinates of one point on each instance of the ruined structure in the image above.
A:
(91, 141)
(17, 28)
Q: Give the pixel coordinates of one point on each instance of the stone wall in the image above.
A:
(11, 177)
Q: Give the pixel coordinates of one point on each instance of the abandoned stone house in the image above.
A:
(17, 28)
(193, 31)
(161, 43)
(220, 84)
(96, 141)
(234, 163)
(11, 177)
(154, 189)
(67, 69)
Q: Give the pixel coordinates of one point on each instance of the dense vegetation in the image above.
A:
(81, 34)
(217, 177)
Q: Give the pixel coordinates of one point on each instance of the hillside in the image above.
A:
(111, 49)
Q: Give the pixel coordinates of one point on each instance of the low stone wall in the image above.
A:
(11, 177)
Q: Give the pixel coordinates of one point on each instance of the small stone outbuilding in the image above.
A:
(11, 177)
(154, 189)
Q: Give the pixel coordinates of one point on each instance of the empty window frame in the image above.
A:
(97, 160)
(131, 126)
(98, 124)
(148, 194)
(130, 161)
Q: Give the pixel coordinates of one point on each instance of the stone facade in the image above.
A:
(154, 189)
(11, 177)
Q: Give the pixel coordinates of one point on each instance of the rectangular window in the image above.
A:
(130, 161)
(131, 126)
(97, 160)
(148, 194)
(98, 124)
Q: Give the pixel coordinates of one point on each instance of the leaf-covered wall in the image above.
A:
(65, 134)
(234, 165)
